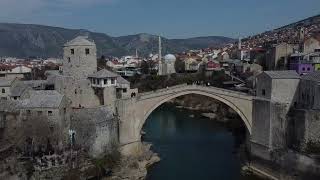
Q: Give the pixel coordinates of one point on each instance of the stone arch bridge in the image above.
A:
(133, 112)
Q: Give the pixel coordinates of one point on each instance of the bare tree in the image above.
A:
(38, 134)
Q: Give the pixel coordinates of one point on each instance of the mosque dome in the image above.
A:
(170, 58)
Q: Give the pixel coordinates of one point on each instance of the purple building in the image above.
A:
(299, 64)
(302, 68)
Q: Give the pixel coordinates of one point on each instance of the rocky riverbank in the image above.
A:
(135, 167)
(109, 167)
(205, 106)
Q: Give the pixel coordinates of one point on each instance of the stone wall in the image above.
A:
(96, 129)
(268, 128)
(79, 92)
(304, 127)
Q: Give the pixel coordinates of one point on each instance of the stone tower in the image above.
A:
(79, 61)
(79, 58)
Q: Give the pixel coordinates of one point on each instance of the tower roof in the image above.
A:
(80, 41)
(289, 74)
(103, 74)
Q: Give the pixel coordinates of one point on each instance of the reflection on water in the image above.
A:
(190, 148)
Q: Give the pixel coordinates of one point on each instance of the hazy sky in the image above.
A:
(170, 18)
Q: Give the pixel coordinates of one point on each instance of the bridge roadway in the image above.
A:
(133, 112)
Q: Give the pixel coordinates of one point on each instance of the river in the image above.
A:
(191, 147)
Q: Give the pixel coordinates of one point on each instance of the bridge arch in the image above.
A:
(218, 97)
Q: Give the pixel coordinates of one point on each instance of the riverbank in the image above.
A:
(135, 167)
(207, 107)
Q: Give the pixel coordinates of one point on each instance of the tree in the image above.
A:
(261, 60)
(102, 63)
(179, 66)
(36, 134)
(145, 68)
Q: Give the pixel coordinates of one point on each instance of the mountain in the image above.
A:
(27, 40)
(146, 43)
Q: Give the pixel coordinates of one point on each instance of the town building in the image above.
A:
(300, 64)
(312, 44)
(224, 55)
(278, 86)
(277, 56)
(15, 71)
(309, 94)
(305, 63)
(191, 64)
(5, 88)
(213, 65)
(8, 112)
(49, 104)
(109, 86)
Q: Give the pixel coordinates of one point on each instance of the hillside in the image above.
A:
(289, 33)
(302, 23)
(25, 40)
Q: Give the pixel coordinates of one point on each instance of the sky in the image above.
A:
(169, 18)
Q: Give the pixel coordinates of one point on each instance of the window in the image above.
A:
(15, 98)
(105, 81)
(112, 81)
(39, 113)
(87, 51)
(308, 69)
(72, 51)
(124, 90)
(303, 69)
(69, 59)
(64, 110)
(75, 91)
(263, 92)
(98, 81)
(2, 75)
(4, 98)
(3, 90)
(50, 113)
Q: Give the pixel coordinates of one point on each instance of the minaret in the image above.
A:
(137, 53)
(160, 49)
(160, 67)
(239, 44)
